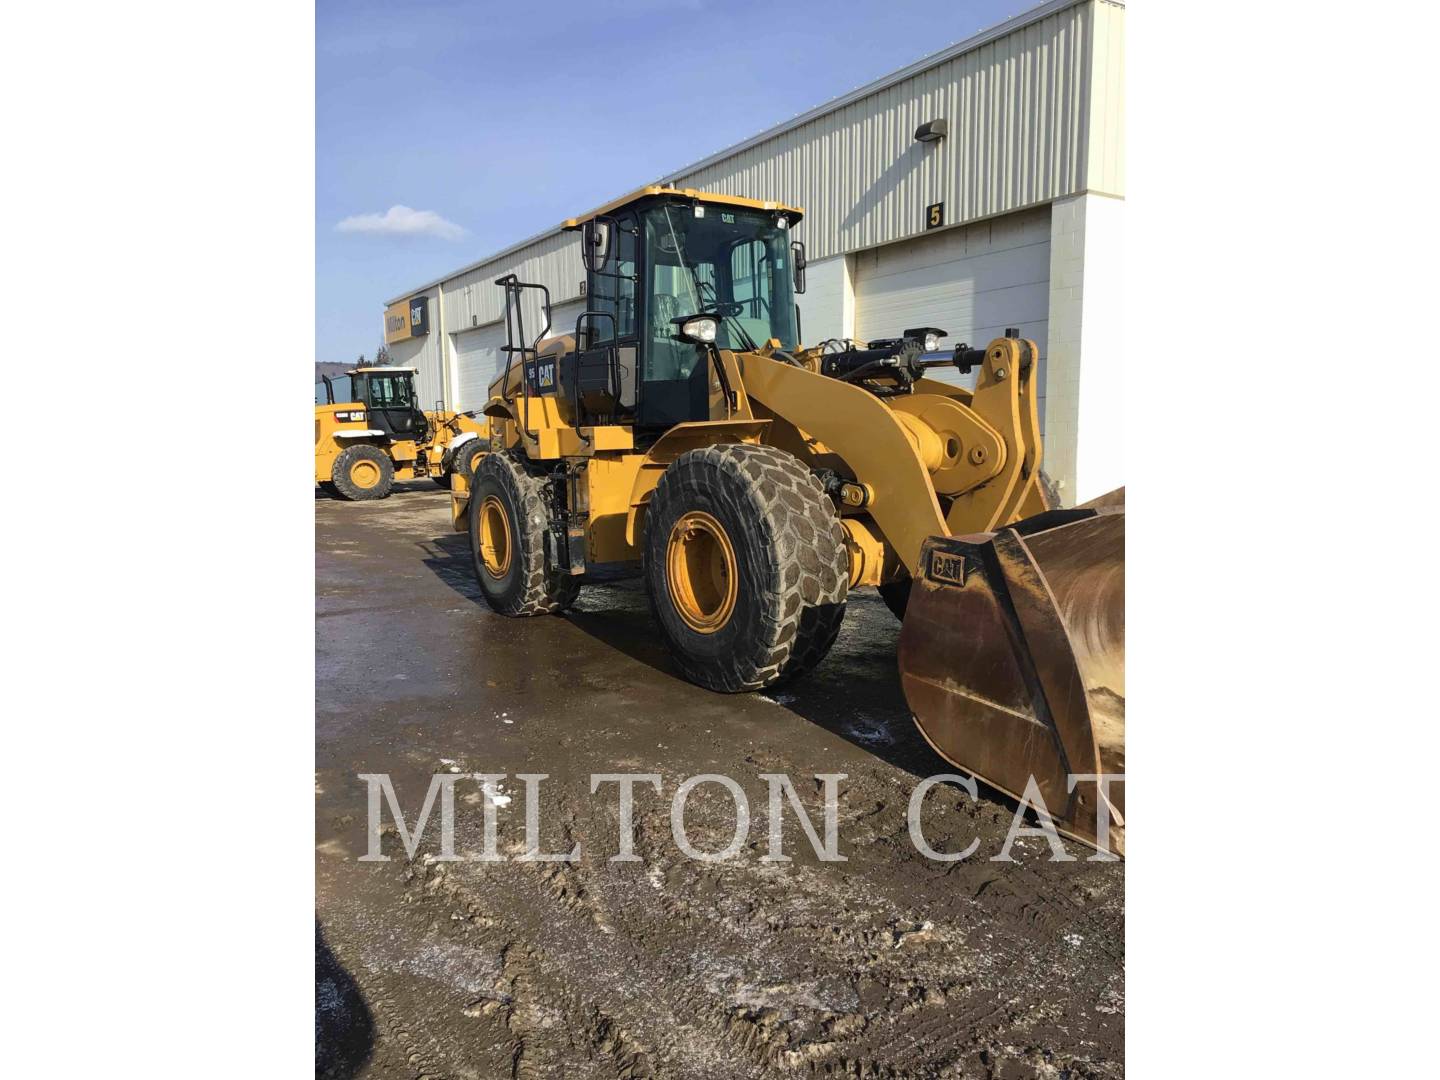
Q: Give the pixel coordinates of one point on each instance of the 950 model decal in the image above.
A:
(947, 569)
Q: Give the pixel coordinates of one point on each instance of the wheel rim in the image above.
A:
(494, 537)
(365, 474)
(700, 570)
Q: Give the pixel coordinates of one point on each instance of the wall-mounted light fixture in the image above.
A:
(933, 131)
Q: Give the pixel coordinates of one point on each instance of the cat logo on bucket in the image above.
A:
(947, 569)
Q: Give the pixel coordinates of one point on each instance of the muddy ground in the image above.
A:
(887, 964)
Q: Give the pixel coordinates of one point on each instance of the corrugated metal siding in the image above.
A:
(1017, 109)
(474, 299)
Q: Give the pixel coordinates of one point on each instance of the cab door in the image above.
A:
(675, 380)
(609, 333)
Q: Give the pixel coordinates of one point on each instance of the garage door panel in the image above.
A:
(991, 275)
(563, 317)
(1028, 266)
(478, 360)
(1015, 231)
(973, 282)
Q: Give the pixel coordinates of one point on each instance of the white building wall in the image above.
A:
(1086, 246)
(1100, 444)
(1105, 153)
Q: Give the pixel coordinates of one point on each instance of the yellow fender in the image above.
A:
(679, 439)
(862, 430)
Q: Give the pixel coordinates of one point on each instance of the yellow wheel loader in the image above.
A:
(681, 425)
(370, 432)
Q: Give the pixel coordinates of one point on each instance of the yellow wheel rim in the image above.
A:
(494, 537)
(700, 570)
(365, 474)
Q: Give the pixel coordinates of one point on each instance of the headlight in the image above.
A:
(700, 329)
(928, 337)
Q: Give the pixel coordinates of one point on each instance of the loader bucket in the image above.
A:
(1012, 658)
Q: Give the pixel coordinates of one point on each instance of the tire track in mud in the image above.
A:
(671, 967)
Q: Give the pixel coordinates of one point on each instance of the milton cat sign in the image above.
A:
(407, 319)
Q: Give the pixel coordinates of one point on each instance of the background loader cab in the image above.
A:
(370, 431)
(387, 395)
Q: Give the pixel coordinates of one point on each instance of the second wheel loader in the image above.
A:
(681, 424)
(370, 431)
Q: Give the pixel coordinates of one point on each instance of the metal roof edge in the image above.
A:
(950, 52)
(554, 231)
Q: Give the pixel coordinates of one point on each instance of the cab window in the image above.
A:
(391, 392)
(613, 291)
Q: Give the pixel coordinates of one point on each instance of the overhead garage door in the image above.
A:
(563, 316)
(478, 360)
(973, 282)
(479, 356)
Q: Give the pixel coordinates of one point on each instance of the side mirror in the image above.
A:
(797, 255)
(596, 238)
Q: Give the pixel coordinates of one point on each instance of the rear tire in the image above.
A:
(363, 472)
(753, 516)
(508, 518)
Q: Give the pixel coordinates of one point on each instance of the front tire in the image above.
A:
(746, 566)
(466, 458)
(363, 472)
(508, 519)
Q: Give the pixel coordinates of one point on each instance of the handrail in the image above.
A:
(515, 327)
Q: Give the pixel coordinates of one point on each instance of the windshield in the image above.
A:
(391, 392)
(728, 260)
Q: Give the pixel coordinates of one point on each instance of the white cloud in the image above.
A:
(402, 221)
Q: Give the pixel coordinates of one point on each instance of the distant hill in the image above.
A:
(330, 369)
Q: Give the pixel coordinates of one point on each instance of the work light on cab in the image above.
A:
(698, 329)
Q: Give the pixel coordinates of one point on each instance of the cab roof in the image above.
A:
(706, 197)
(368, 370)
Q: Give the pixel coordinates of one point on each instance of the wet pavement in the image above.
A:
(887, 964)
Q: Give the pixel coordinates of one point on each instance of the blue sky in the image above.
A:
(446, 131)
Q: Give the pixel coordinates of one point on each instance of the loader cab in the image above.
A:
(388, 394)
(667, 256)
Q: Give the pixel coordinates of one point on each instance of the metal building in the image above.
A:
(977, 189)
